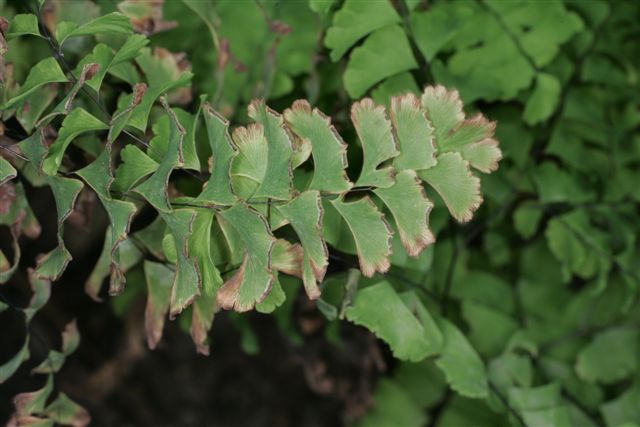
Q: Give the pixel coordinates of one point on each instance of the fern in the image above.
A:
(245, 212)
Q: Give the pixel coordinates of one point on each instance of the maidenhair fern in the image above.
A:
(279, 196)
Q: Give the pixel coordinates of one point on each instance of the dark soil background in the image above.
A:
(122, 383)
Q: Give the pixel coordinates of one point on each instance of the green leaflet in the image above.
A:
(472, 138)
(134, 167)
(64, 106)
(611, 356)
(129, 255)
(277, 181)
(482, 318)
(465, 371)
(410, 208)
(400, 84)
(140, 114)
(7, 172)
(355, 20)
(107, 58)
(623, 409)
(65, 191)
(328, 149)
(378, 144)
(12, 365)
(370, 231)
(248, 168)
(111, 23)
(502, 59)
(205, 305)
(41, 292)
(367, 67)
(394, 406)
(121, 117)
(188, 278)
(79, 121)
(436, 27)
(580, 247)
(154, 189)
(159, 145)
(33, 402)
(543, 100)
(392, 321)
(65, 411)
(23, 24)
(34, 105)
(159, 280)
(540, 405)
(304, 213)
(254, 279)
(99, 176)
(455, 183)
(45, 71)
(414, 134)
(218, 189)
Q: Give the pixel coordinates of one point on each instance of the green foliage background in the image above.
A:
(526, 315)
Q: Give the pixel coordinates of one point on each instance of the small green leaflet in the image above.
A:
(188, 279)
(410, 209)
(45, 71)
(472, 138)
(305, 215)
(367, 67)
(154, 189)
(218, 189)
(378, 144)
(107, 58)
(328, 149)
(460, 363)
(610, 357)
(355, 20)
(253, 280)
(248, 168)
(370, 231)
(111, 23)
(277, 181)
(414, 134)
(99, 176)
(23, 24)
(381, 310)
(543, 100)
(455, 183)
(159, 278)
(65, 191)
(79, 121)
(7, 172)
